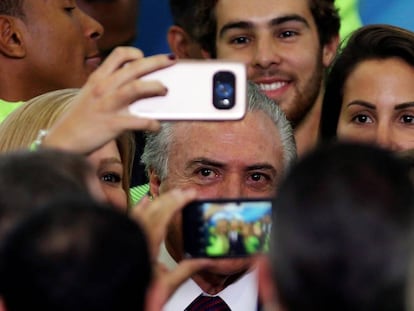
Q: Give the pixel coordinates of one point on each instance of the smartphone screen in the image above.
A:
(227, 228)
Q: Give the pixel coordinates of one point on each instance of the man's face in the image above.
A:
(60, 43)
(232, 159)
(279, 42)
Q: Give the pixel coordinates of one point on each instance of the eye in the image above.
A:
(407, 119)
(240, 40)
(70, 9)
(111, 178)
(288, 34)
(257, 177)
(206, 172)
(362, 119)
(259, 181)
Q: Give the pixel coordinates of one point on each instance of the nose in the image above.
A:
(385, 138)
(92, 28)
(231, 187)
(266, 53)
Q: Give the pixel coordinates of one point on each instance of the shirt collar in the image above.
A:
(241, 295)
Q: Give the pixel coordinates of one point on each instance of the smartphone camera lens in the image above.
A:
(223, 90)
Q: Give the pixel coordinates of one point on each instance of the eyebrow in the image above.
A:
(208, 162)
(262, 166)
(204, 161)
(113, 160)
(361, 103)
(404, 105)
(273, 22)
(371, 106)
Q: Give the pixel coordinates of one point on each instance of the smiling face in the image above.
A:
(60, 40)
(378, 104)
(109, 170)
(232, 159)
(279, 42)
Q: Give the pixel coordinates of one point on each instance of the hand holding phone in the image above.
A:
(227, 228)
(197, 90)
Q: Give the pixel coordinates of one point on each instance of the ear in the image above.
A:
(206, 54)
(154, 183)
(11, 38)
(178, 40)
(267, 289)
(329, 51)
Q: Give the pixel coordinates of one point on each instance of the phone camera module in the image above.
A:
(223, 90)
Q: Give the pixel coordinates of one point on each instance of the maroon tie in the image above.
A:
(207, 303)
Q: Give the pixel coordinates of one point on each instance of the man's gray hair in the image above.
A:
(157, 146)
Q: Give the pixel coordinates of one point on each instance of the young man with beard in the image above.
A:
(286, 45)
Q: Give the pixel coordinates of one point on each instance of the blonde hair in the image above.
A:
(22, 126)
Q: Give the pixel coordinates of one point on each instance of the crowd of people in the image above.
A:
(328, 137)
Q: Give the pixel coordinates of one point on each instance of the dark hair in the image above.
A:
(29, 179)
(366, 43)
(75, 254)
(11, 7)
(323, 11)
(183, 14)
(408, 156)
(342, 225)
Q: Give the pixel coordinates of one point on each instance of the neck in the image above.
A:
(212, 283)
(13, 88)
(307, 132)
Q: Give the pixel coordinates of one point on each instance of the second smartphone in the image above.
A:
(227, 228)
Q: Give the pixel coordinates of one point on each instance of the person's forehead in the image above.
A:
(30, 5)
(234, 10)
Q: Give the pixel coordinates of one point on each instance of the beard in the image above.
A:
(305, 92)
(304, 100)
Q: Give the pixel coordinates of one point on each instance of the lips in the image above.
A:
(93, 61)
(273, 88)
(265, 87)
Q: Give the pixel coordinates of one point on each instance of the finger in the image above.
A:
(141, 67)
(167, 205)
(134, 70)
(184, 270)
(140, 89)
(117, 59)
(136, 212)
(120, 123)
(143, 203)
(166, 284)
(129, 93)
(158, 215)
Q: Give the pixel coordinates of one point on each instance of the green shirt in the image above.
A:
(7, 107)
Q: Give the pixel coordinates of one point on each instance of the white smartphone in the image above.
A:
(197, 90)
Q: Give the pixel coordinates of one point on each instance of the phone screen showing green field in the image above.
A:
(237, 228)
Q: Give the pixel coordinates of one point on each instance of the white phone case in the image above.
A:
(191, 92)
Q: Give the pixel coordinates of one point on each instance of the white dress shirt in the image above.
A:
(239, 296)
